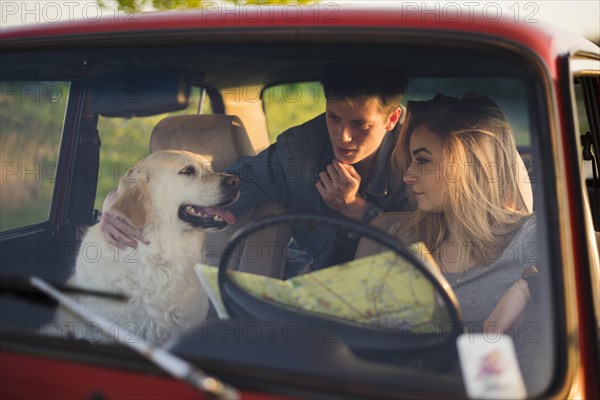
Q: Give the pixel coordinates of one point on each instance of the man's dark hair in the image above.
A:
(345, 82)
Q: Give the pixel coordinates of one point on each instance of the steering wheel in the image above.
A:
(360, 337)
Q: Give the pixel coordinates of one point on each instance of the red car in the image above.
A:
(78, 104)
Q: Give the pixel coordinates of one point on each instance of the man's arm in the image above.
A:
(117, 231)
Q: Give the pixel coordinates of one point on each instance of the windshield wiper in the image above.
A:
(168, 362)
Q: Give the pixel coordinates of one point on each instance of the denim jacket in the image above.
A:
(286, 173)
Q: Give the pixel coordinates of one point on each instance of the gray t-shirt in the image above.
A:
(481, 287)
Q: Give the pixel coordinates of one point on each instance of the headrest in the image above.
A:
(221, 139)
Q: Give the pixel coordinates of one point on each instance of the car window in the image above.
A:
(510, 94)
(126, 140)
(31, 121)
(290, 104)
(539, 338)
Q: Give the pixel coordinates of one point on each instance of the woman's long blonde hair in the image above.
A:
(479, 174)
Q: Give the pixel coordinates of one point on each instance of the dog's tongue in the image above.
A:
(226, 215)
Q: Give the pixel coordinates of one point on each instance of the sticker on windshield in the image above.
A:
(490, 368)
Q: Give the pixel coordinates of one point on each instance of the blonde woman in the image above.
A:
(459, 161)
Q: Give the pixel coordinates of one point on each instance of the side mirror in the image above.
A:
(391, 301)
(140, 92)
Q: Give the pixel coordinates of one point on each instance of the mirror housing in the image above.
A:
(140, 92)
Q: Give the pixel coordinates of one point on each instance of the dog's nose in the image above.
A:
(231, 180)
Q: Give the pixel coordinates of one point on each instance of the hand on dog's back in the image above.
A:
(117, 231)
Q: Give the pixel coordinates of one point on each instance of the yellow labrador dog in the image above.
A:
(174, 197)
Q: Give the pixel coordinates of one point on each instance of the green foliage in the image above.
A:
(31, 117)
(137, 5)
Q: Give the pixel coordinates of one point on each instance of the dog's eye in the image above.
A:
(188, 170)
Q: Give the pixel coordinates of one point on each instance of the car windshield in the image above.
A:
(76, 121)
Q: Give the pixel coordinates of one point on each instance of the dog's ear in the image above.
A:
(132, 200)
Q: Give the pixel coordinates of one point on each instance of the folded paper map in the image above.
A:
(382, 290)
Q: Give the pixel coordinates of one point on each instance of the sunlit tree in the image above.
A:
(136, 5)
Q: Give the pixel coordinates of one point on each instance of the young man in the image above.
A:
(337, 163)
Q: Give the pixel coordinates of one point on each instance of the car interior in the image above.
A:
(134, 88)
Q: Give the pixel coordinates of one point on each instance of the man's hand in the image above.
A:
(338, 186)
(117, 231)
